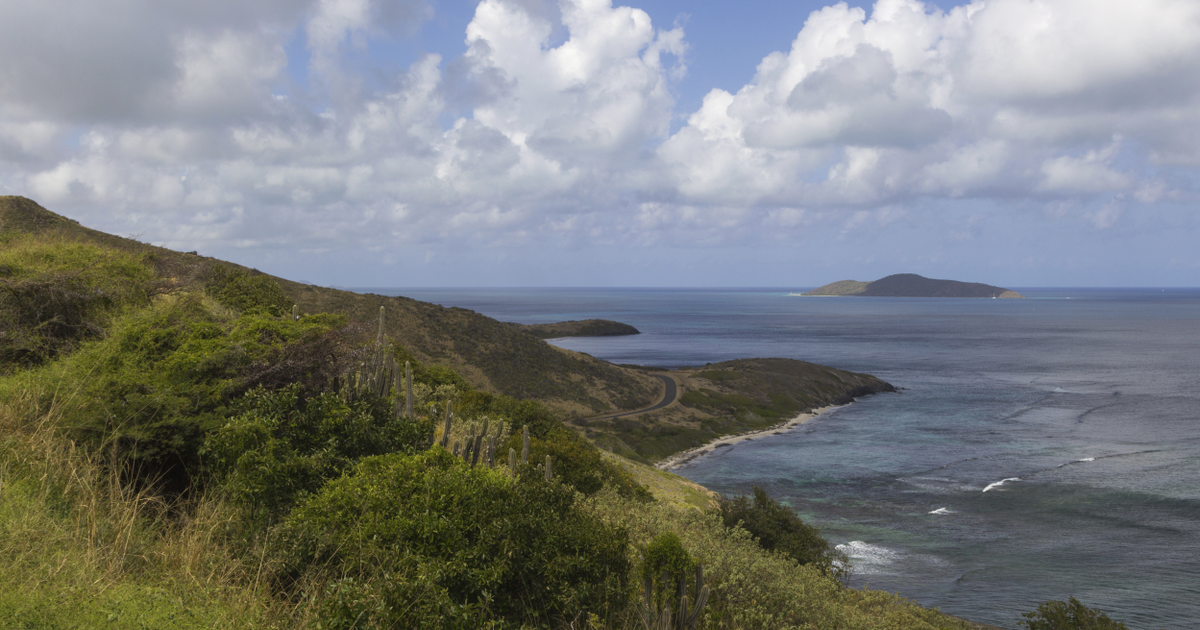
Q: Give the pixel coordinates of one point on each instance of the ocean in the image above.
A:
(1037, 449)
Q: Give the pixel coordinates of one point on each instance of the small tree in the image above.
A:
(778, 528)
(1069, 615)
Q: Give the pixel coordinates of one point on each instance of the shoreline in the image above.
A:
(679, 459)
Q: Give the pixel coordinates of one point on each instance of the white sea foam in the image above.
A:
(868, 559)
(1086, 459)
(942, 511)
(1000, 483)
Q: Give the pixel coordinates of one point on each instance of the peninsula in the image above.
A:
(913, 285)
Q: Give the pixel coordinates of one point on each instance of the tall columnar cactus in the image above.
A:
(548, 473)
(295, 312)
(512, 460)
(654, 618)
(525, 444)
(478, 447)
(446, 429)
(408, 393)
(379, 338)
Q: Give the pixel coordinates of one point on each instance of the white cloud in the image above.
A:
(554, 124)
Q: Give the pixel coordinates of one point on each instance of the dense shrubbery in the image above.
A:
(778, 528)
(54, 296)
(1068, 615)
(246, 293)
(425, 541)
(280, 447)
(165, 375)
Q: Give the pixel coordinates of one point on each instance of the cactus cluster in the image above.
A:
(476, 446)
(688, 618)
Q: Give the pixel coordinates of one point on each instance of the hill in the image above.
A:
(913, 285)
(490, 355)
(585, 328)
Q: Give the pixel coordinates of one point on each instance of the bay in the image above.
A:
(1038, 448)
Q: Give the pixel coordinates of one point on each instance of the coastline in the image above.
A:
(679, 459)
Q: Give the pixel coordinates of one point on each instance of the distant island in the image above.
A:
(913, 285)
(585, 328)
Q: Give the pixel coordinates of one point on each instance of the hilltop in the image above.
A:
(913, 285)
(490, 355)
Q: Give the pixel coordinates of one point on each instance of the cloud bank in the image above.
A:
(259, 125)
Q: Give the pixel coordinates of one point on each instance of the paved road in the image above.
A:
(668, 397)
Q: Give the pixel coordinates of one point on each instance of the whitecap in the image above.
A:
(942, 511)
(867, 558)
(1000, 483)
(1086, 459)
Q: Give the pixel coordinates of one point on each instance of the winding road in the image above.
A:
(669, 395)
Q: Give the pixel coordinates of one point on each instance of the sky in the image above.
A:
(663, 143)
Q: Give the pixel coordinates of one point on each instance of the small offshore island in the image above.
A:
(912, 285)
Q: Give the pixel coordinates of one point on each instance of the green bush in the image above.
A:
(424, 541)
(281, 447)
(1068, 615)
(778, 528)
(576, 462)
(165, 376)
(245, 292)
(56, 295)
(665, 557)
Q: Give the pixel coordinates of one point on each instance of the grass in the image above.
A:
(81, 550)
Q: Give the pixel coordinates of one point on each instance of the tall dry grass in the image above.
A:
(80, 546)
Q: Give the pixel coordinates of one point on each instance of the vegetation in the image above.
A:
(182, 451)
(777, 528)
(1068, 615)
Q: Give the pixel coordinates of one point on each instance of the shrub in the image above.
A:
(165, 376)
(280, 447)
(577, 462)
(56, 295)
(752, 588)
(778, 528)
(1068, 615)
(245, 292)
(423, 541)
(666, 558)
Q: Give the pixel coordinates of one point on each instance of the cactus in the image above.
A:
(525, 445)
(478, 447)
(653, 618)
(379, 339)
(446, 430)
(454, 451)
(408, 393)
(491, 452)
(295, 312)
(512, 460)
(548, 473)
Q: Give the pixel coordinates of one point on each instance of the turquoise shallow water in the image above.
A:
(1084, 400)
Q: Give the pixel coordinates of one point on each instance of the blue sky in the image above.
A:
(592, 143)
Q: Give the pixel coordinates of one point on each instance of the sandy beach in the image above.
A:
(680, 459)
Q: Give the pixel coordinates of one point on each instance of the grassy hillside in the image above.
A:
(178, 450)
(729, 398)
(491, 355)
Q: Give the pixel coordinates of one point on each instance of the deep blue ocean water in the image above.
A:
(1039, 448)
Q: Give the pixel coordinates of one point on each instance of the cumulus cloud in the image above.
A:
(1004, 98)
(185, 121)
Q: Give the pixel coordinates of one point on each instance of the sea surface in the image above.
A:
(1038, 449)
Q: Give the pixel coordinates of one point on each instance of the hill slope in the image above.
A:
(491, 355)
(913, 285)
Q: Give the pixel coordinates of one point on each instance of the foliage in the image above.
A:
(56, 295)
(752, 588)
(165, 375)
(81, 550)
(242, 291)
(665, 565)
(426, 541)
(577, 463)
(1068, 615)
(281, 447)
(778, 528)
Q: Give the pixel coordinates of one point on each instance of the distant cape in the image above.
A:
(912, 285)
